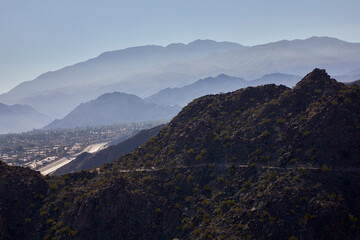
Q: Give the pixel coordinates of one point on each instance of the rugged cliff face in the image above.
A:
(259, 163)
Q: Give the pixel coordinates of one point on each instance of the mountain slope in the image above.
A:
(347, 78)
(354, 83)
(184, 95)
(212, 85)
(294, 57)
(20, 118)
(16, 185)
(113, 108)
(87, 161)
(139, 70)
(259, 163)
(253, 117)
(146, 70)
(276, 78)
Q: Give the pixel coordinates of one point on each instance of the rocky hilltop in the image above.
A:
(264, 162)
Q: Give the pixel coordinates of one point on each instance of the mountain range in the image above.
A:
(146, 70)
(20, 118)
(356, 83)
(212, 85)
(266, 162)
(133, 70)
(114, 108)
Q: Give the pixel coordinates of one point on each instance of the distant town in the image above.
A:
(38, 148)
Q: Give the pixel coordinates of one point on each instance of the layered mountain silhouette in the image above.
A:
(114, 108)
(182, 96)
(212, 85)
(87, 161)
(288, 80)
(20, 118)
(267, 162)
(356, 83)
(138, 70)
(117, 107)
(349, 76)
(145, 70)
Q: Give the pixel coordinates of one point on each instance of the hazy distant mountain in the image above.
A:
(86, 161)
(212, 85)
(114, 108)
(354, 72)
(19, 118)
(294, 57)
(184, 95)
(276, 78)
(148, 69)
(140, 70)
(354, 83)
(347, 78)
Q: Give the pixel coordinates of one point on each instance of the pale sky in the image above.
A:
(43, 35)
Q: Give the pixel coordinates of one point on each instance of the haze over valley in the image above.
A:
(20, 118)
(142, 120)
(266, 152)
(168, 76)
(145, 70)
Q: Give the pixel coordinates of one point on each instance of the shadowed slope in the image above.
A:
(263, 163)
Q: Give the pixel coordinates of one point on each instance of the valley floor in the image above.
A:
(48, 169)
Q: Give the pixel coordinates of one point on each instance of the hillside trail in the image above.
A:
(298, 168)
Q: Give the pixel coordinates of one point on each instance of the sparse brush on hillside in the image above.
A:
(259, 163)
